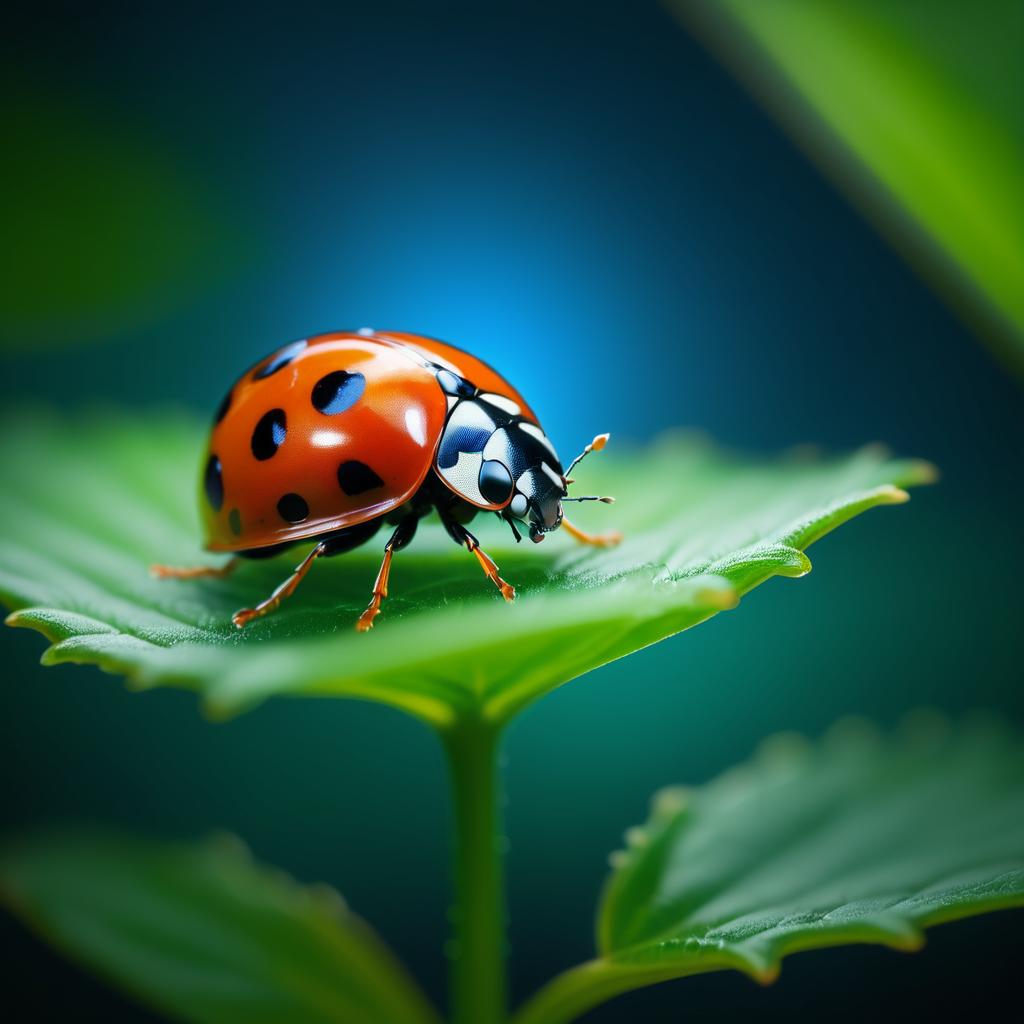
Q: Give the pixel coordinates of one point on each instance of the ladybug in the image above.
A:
(332, 436)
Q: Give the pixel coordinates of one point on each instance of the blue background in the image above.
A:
(582, 196)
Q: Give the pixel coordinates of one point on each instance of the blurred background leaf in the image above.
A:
(856, 839)
(914, 110)
(702, 528)
(204, 933)
(108, 226)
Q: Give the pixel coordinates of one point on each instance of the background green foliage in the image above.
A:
(109, 226)
(857, 838)
(205, 934)
(914, 109)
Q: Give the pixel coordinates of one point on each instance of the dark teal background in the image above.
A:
(579, 194)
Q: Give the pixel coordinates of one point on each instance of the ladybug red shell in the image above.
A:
(332, 435)
(330, 432)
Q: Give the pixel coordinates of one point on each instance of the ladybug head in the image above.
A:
(546, 512)
(537, 501)
(545, 507)
(540, 490)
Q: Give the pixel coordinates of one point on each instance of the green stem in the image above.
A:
(478, 947)
(568, 996)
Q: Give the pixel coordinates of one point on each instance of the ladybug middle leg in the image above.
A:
(333, 544)
(243, 617)
(404, 533)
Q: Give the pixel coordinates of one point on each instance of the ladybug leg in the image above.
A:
(461, 535)
(173, 572)
(490, 568)
(404, 532)
(598, 540)
(246, 615)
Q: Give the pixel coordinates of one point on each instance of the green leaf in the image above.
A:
(203, 933)
(857, 838)
(129, 235)
(914, 110)
(90, 503)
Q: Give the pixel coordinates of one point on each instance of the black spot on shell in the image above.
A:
(292, 508)
(235, 522)
(356, 477)
(222, 409)
(453, 384)
(213, 483)
(279, 360)
(338, 392)
(269, 434)
(495, 482)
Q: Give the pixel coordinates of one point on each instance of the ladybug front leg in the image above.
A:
(597, 540)
(404, 532)
(489, 567)
(194, 572)
(242, 618)
(461, 535)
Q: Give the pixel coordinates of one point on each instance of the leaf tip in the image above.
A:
(783, 748)
(50, 657)
(669, 802)
(925, 472)
(758, 960)
(139, 682)
(794, 564)
(618, 859)
(910, 943)
(217, 709)
(896, 933)
(890, 494)
(637, 837)
(30, 618)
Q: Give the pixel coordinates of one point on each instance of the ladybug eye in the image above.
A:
(495, 482)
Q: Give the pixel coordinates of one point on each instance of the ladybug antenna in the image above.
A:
(595, 446)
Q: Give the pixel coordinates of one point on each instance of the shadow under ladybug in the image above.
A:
(333, 436)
